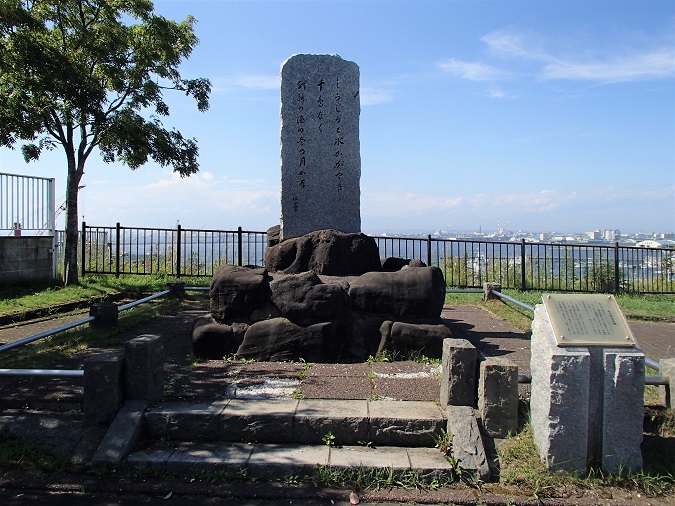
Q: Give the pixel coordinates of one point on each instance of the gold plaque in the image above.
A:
(587, 320)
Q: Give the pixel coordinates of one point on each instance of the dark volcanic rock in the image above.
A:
(329, 252)
(406, 338)
(393, 264)
(304, 299)
(237, 291)
(279, 340)
(408, 293)
(213, 340)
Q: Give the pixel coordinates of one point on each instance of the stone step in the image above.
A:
(299, 421)
(276, 461)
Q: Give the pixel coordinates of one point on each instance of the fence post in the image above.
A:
(429, 250)
(84, 246)
(617, 284)
(178, 247)
(240, 260)
(522, 264)
(117, 250)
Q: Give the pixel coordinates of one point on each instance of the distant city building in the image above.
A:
(596, 235)
(663, 244)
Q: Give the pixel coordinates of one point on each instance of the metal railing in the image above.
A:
(73, 373)
(175, 252)
(465, 263)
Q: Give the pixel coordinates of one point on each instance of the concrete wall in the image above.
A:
(28, 258)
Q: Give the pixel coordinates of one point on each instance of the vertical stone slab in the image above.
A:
(103, 387)
(144, 368)
(320, 150)
(458, 373)
(623, 409)
(559, 399)
(498, 397)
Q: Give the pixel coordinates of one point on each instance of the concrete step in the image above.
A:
(303, 422)
(276, 461)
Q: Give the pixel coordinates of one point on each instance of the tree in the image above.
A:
(87, 74)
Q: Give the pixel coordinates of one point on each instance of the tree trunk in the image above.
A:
(70, 269)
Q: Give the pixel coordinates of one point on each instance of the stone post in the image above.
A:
(458, 376)
(498, 397)
(586, 402)
(103, 387)
(106, 314)
(488, 288)
(177, 289)
(667, 370)
(144, 368)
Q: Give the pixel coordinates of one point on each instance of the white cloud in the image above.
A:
(649, 65)
(616, 64)
(373, 96)
(472, 71)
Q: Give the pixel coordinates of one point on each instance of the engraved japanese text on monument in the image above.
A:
(320, 151)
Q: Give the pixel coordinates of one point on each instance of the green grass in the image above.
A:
(658, 307)
(16, 299)
(522, 469)
(45, 352)
(18, 455)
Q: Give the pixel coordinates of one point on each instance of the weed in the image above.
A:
(306, 366)
(329, 439)
(366, 442)
(291, 479)
(297, 394)
(373, 397)
(444, 442)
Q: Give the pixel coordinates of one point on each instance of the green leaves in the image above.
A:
(94, 68)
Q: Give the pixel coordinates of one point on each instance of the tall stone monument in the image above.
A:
(320, 150)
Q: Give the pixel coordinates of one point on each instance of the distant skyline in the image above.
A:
(546, 115)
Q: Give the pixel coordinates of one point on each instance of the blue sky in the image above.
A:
(536, 115)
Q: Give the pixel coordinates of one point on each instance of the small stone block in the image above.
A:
(103, 387)
(263, 421)
(177, 289)
(275, 461)
(346, 420)
(105, 313)
(488, 288)
(467, 444)
(458, 374)
(123, 434)
(498, 397)
(405, 423)
(144, 368)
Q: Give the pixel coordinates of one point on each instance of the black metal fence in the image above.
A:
(174, 252)
(465, 263)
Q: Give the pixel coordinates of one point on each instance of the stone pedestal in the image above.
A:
(144, 368)
(498, 397)
(103, 387)
(458, 376)
(586, 402)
